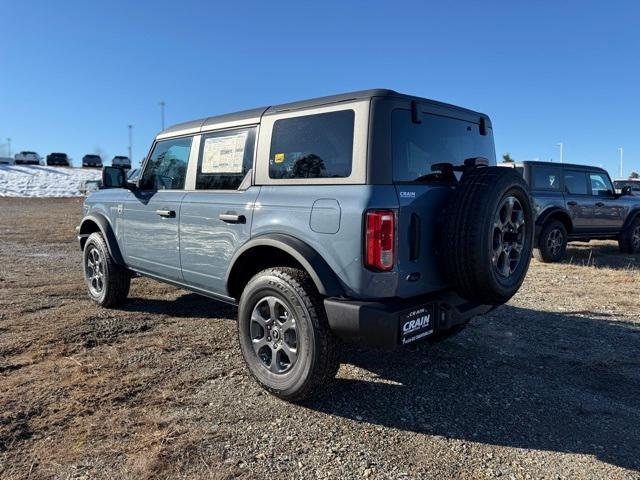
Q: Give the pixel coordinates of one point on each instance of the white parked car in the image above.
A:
(27, 158)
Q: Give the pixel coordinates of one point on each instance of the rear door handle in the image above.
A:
(231, 218)
(166, 213)
(599, 204)
(572, 203)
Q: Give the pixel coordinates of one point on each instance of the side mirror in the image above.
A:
(115, 177)
(626, 190)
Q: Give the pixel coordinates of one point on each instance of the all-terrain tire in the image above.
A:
(107, 282)
(552, 242)
(629, 240)
(317, 350)
(471, 232)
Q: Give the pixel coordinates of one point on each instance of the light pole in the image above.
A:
(8, 147)
(621, 150)
(560, 145)
(162, 113)
(130, 156)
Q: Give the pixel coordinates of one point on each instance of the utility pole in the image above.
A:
(8, 147)
(162, 104)
(621, 150)
(130, 156)
(561, 145)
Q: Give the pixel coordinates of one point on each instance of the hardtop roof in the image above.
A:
(558, 164)
(256, 113)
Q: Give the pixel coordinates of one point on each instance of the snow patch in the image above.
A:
(41, 181)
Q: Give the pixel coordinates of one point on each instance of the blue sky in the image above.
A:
(73, 75)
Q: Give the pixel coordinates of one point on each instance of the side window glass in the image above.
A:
(546, 178)
(312, 146)
(575, 183)
(225, 158)
(600, 184)
(166, 168)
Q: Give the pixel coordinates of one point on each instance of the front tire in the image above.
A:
(284, 334)
(629, 241)
(552, 243)
(107, 282)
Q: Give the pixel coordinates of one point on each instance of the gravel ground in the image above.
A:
(547, 386)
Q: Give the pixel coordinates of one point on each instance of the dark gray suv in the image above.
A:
(579, 202)
(370, 217)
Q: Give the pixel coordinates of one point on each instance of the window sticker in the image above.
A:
(224, 154)
(279, 158)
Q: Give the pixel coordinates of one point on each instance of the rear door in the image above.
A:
(578, 200)
(609, 211)
(422, 192)
(215, 219)
(152, 213)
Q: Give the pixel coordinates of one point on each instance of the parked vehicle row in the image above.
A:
(370, 217)
(579, 203)
(62, 160)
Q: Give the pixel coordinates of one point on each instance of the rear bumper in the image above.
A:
(379, 323)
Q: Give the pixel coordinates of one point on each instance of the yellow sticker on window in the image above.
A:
(279, 158)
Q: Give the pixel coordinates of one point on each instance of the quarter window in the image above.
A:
(312, 146)
(575, 183)
(225, 158)
(166, 169)
(546, 178)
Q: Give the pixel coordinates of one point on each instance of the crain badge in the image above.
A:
(407, 194)
(416, 324)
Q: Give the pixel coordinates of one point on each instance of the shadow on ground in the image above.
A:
(518, 378)
(185, 306)
(600, 254)
(564, 382)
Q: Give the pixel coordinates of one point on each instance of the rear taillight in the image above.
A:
(380, 240)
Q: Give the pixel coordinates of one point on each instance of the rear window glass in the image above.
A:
(419, 146)
(546, 178)
(312, 146)
(575, 182)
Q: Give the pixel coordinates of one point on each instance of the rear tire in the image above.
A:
(107, 282)
(488, 235)
(284, 334)
(552, 242)
(629, 241)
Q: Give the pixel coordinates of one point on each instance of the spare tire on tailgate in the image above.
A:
(488, 234)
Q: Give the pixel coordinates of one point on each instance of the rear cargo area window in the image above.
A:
(437, 139)
(312, 146)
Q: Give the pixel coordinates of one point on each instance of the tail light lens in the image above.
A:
(380, 239)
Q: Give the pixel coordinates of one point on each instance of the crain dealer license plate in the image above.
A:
(416, 324)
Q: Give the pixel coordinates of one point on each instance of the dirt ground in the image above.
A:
(547, 386)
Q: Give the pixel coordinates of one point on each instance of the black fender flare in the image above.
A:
(635, 212)
(107, 232)
(544, 216)
(318, 269)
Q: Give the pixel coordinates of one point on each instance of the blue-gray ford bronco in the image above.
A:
(370, 217)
